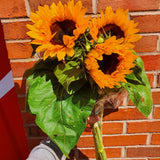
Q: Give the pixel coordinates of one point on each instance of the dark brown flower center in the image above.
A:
(113, 30)
(109, 63)
(65, 27)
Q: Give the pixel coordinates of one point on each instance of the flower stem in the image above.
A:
(97, 135)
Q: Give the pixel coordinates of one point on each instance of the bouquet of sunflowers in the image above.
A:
(83, 60)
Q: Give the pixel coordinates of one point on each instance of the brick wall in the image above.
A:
(127, 134)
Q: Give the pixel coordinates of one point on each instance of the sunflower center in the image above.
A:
(65, 27)
(113, 30)
(109, 63)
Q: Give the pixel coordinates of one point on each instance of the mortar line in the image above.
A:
(155, 80)
(129, 146)
(94, 6)
(126, 158)
(120, 134)
(24, 60)
(148, 141)
(15, 20)
(135, 146)
(143, 13)
(18, 41)
(125, 125)
(132, 120)
(154, 72)
(149, 53)
(155, 89)
(158, 43)
(123, 152)
(150, 33)
(28, 8)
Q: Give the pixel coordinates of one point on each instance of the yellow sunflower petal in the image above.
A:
(117, 24)
(68, 41)
(42, 48)
(113, 67)
(57, 27)
(70, 52)
(60, 55)
(46, 54)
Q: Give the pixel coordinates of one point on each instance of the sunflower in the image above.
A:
(56, 28)
(115, 24)
(109, 62)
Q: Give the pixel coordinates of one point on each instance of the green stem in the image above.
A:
(99, 148)
(101, 121)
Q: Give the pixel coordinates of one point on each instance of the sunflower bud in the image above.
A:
(100, 39)
(88, 47)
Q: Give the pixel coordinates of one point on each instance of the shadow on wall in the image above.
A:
(77, 154)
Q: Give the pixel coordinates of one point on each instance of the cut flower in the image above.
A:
(109, 62)
(56, 28)
(88, 65)
(114, 24)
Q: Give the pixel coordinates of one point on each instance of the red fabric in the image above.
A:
(4, 62)
(13, 142)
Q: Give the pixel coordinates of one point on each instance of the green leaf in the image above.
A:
(40, 68)
(60, 115)
(70, 75)
(139, 88)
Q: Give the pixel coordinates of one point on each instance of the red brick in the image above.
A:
(19, 50)
(146, 44)
(157, 113)
(143, 152)
(148, 23)
(155, 139)
(28, 118)
(13, 8)
(151, 62)
(150, 77)
(155, 96)
(35, 3)
(19, 68)
(90, 153)
(132, 159)
(121, 140)
(134, 5)
(21, 102)
(108, 128)
(124, 140)
(143, 127)
(154, 159)
(113, 152)
(20, 86)
(112, 128)
(123, 114)
(15, 30)
(159, 80)
(87, 131)
(85, 142)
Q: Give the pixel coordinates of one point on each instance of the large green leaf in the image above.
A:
(60, 115)
(139, 88)
(70, 75)
(40, 68)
